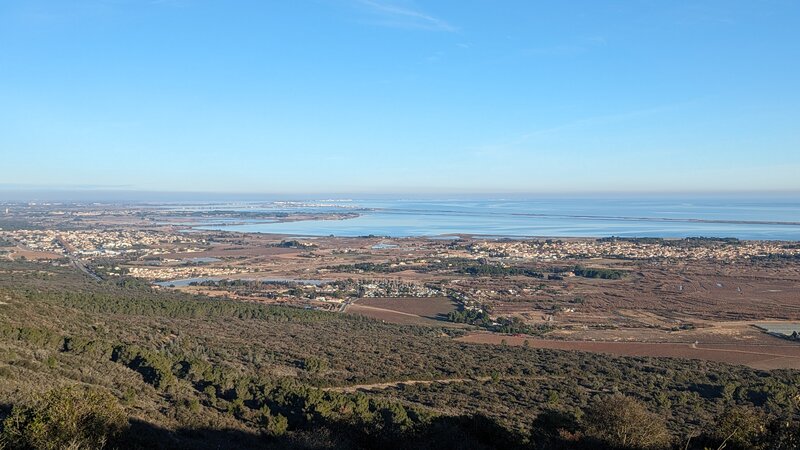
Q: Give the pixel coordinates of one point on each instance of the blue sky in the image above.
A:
(322, 96)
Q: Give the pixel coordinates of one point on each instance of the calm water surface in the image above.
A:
(749, 218)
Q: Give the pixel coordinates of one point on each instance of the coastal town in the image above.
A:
(155, 245)
(696, 249)
(558, 284)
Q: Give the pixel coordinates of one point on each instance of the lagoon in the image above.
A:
(743, 218)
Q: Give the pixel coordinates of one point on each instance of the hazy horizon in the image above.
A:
(72, 194)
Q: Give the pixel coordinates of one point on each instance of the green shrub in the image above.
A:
(622, 422)
(64, 418)
(741, 427)
(314, 365)
(275, 425)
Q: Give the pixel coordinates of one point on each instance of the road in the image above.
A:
(70, 251)
(82, 267)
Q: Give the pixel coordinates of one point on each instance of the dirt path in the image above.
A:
(391, 384)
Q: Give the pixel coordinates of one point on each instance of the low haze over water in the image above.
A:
(746, 218)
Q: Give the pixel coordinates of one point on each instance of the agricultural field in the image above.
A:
(409, 311)
(766, 354)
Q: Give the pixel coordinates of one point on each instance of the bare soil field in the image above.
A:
(699, 291)
(431, 307)
(388, 315)
(655, 297)
(19, 252)
(771, 353)
(407, 310)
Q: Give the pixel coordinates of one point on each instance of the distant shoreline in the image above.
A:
(469, 236)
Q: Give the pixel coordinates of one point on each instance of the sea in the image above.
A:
(752, 218)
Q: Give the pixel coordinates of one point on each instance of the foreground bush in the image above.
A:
(64, 418)
(622, 422)
(741, 428)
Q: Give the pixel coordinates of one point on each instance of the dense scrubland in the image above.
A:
(87, 364)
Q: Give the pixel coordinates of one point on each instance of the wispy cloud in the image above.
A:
(577, 46)
(404, 16)
(521, 141)
(603, 119)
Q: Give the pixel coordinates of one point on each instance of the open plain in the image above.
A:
(690, 298)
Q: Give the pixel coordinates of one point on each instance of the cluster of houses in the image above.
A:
(550, 250)
(102, 242)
